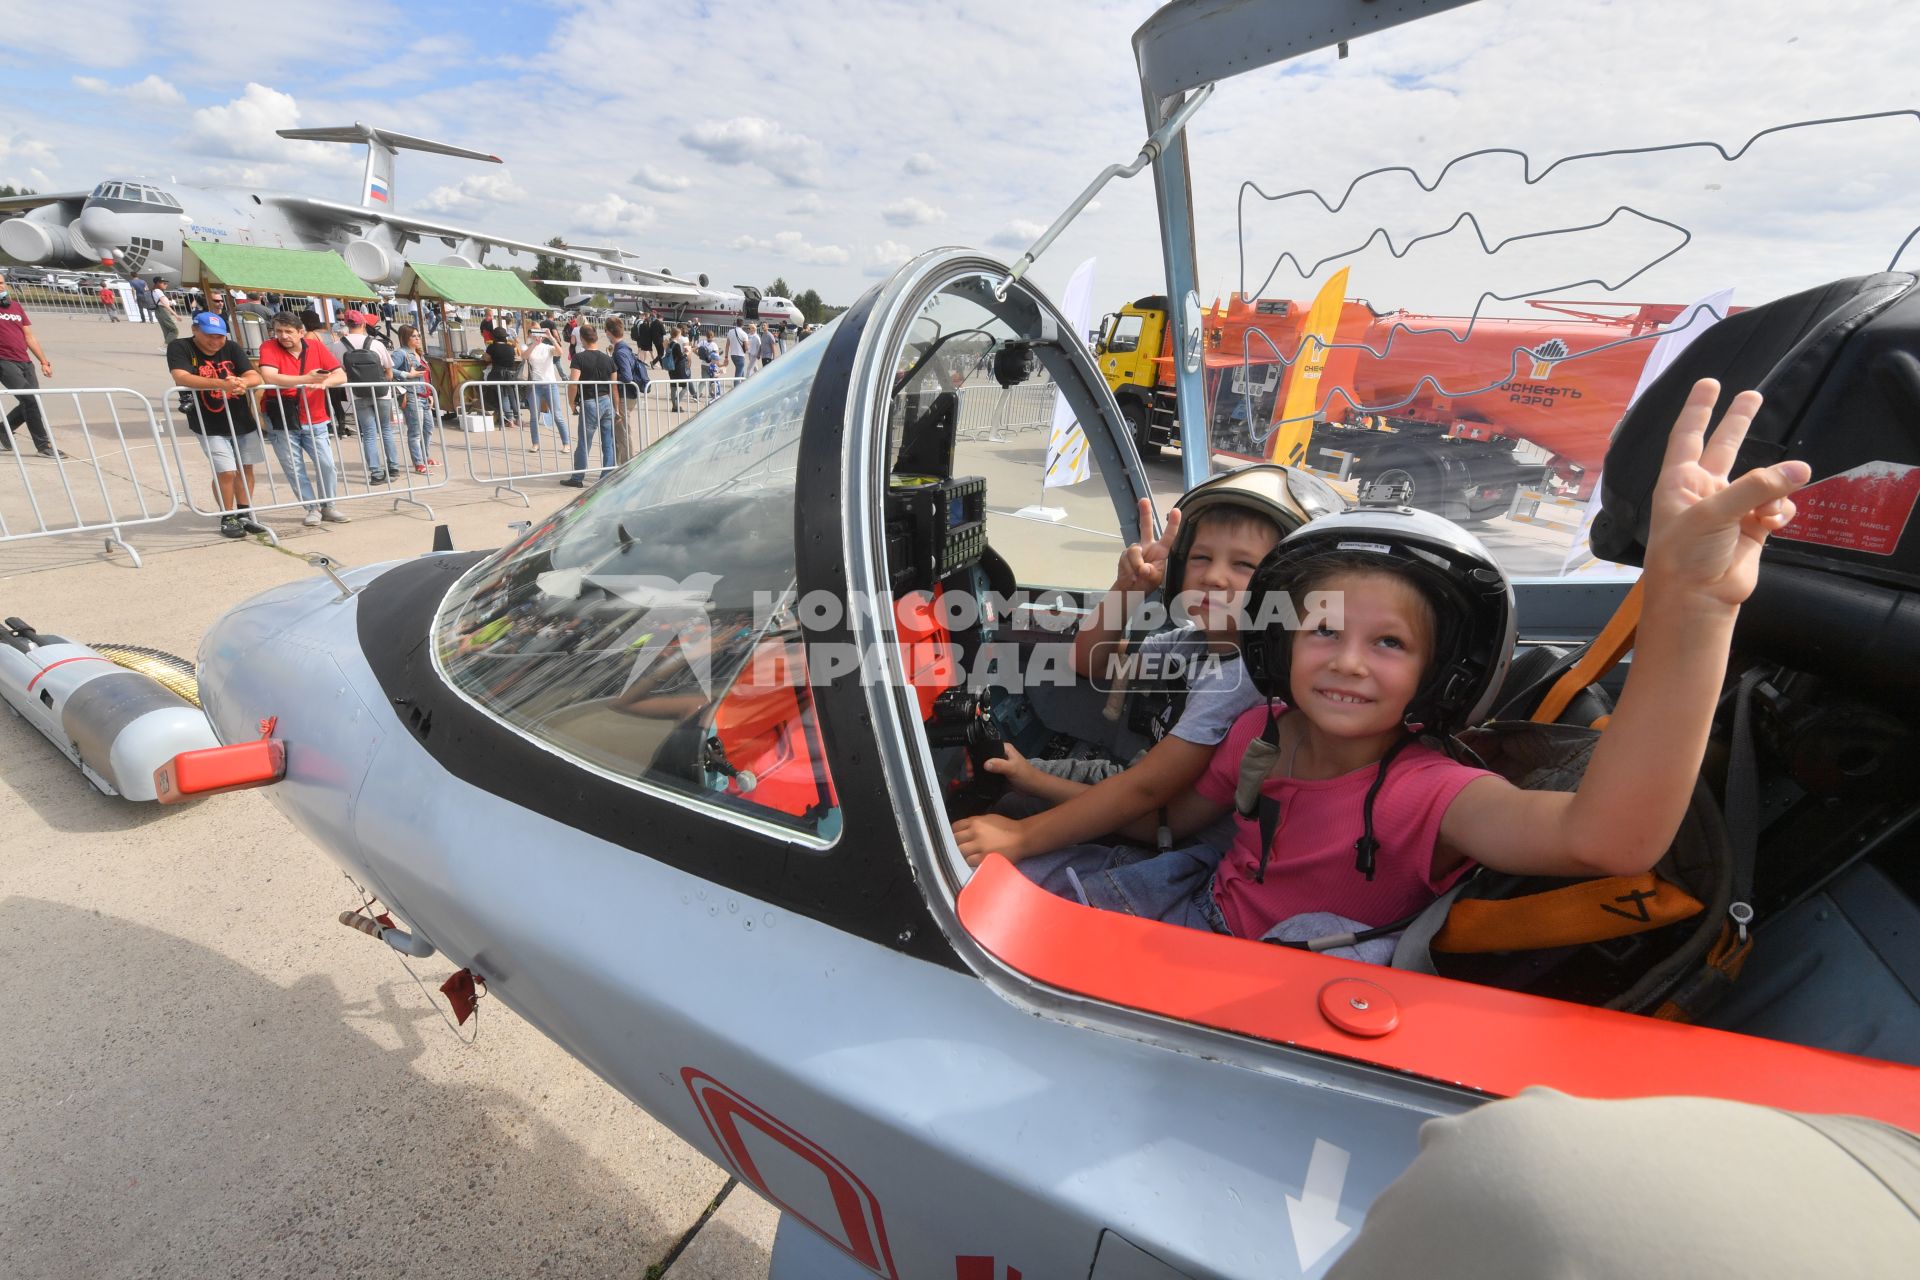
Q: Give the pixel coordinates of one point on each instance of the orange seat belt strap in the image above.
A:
(1611, 645)
(1589, 911)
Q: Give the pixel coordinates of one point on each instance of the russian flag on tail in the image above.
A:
(377, 189)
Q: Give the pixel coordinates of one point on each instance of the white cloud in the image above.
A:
(657, 180)
(473, 194)
(1017, 234)
(150, 92)
(17, 148)
(808, 203)
(919, 165)
(911, 212)
(791, 244)
(243, 129)
(793, 158)
(882, 258)
(613, 213)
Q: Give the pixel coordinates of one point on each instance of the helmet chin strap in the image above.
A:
(1250, 796)
(1366, 846)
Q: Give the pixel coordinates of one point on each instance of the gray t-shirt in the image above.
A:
(1218, 688)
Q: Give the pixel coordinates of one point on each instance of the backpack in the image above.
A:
(362, 363)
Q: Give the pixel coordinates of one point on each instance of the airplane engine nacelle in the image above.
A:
(374, 263)
(458, 260)
(26, 241)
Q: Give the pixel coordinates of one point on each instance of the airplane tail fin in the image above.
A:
(376, 187)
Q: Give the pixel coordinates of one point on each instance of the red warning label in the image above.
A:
(1865, 509)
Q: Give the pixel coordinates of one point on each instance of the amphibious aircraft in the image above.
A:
(138, 227)
(671, 776)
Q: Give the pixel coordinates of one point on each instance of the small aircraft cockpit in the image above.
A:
(132, 196)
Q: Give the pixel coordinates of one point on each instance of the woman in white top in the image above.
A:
(543, 369)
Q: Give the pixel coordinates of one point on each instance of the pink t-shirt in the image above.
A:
(1311, 868)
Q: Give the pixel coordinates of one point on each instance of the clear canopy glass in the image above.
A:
(647, 631)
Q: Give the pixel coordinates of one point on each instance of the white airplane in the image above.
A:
(690, 302)
(138, 228)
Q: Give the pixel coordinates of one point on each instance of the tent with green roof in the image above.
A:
(299, 272)
(469, 287)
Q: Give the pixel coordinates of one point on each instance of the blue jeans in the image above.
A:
(596, 422)
(376, 426)
(547, 401)
(293, 448)
(419, 428)
(1175, 887)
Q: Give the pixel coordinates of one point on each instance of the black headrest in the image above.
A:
(1840, 369)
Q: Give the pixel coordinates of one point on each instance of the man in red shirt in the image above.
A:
(110, 303)
(298, 423)
(16, 374)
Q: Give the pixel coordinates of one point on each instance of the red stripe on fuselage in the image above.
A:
(90, 657)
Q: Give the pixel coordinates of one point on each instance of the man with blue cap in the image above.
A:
(216, 381)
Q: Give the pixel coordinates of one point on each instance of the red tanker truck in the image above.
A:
(1461, 415)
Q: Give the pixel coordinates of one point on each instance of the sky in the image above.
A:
(825, 143)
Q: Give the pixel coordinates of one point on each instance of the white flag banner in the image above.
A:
(1066, 442)
(1691, 323)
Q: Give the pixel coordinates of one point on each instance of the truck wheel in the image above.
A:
(1136, 415)
(1421, 480)
(1492, 508)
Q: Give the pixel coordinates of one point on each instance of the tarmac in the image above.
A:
(204, 1074)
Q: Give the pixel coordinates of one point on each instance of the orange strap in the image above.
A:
(1727, 958)
(1611, 645)
(1590, 911)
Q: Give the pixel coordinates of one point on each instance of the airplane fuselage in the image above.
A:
(142, 234)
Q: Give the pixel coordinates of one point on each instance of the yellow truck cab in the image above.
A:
(1132, 340)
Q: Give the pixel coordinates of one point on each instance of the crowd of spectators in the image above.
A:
(259, 371)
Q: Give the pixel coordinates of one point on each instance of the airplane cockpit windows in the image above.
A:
(649, 632)
(132, 193)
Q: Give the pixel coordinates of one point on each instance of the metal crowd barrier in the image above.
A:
(319, 466)
(109, 473)
(66, 293)
(996, 414)
(518, 430)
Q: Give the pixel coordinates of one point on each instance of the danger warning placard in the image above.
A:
(1865, 509)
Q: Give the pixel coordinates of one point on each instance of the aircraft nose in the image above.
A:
(103, 228)
(242, 668)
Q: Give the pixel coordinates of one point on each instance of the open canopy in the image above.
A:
(469, 287)
(302, 272)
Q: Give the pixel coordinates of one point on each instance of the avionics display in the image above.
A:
(934, 528)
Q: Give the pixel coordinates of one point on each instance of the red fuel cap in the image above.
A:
(1359, 1007)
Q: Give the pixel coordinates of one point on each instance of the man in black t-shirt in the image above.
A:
(594, 392)
(216, 380)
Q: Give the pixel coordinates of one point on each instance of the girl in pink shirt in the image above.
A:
(1406, 626)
